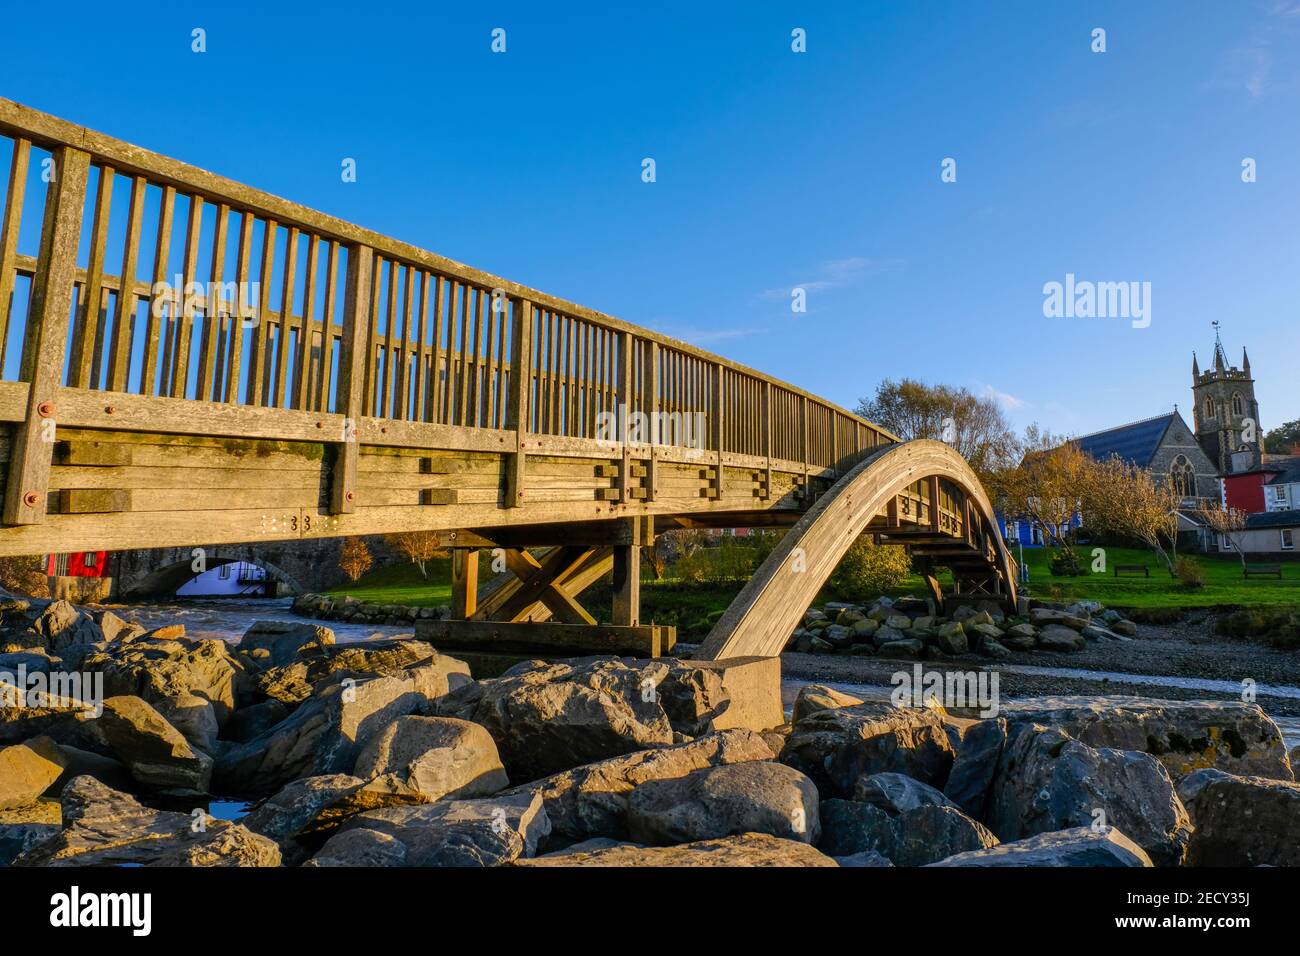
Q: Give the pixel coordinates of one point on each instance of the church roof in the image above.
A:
(1135, 443)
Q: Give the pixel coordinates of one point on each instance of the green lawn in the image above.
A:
(693, 608)
(1224, 584)
(402, 584)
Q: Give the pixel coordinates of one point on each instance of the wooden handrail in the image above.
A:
(434, 340)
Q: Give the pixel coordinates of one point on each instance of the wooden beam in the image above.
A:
(557, 639)
(464, 583)
(352, 362)
(32, 444)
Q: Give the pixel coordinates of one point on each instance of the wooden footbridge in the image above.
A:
(190, 361)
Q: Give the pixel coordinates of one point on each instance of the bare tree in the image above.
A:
(419, 547)
(976, 426)
(1128, 500)
(1228, 523)
(354, 558)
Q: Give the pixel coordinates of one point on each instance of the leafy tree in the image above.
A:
(868, 569)
(1282, 439)
(1047, 489)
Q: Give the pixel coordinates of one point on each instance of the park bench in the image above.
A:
(1261, 570)
(1134, 569)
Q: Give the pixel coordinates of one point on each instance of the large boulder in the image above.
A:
(591, 801)
(552, 717)
(273, 643)
(897, 793)
(753, 797)
(1057, 637)
(836, 747)
(323, 736)
(1241, 821)
(104, 827)
(1048, 781)
(493, 831)
(916, 837)
(61, 625)
(1183, 735)
(976, 766)
(27, 770)
(156, 753)
(293, 681)
(303, 815)
(815, 697)
(742, 850)
(433, 757)
(26, 827)
(161, 670)
(1080, 846)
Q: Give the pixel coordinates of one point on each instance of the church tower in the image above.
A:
(1226, 413)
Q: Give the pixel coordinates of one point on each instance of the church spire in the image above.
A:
(1196, 370)
(1220, 360)
(1245, 361)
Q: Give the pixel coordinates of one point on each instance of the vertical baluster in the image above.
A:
(259, 360)
(183, 328)
(9, 236)
(323, 379)
(86, 328)
(353, 360)
(158, 301)
(243, 309)
(120, 351)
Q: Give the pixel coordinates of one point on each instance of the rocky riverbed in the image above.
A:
(384, 752)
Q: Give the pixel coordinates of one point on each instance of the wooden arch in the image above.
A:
(771, 605)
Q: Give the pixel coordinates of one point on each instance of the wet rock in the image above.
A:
(493, 831)
(976, 765)
(591, 801)
(27, 770)
(104, 827)
(323, 736)
(1241, 821)
(1080, 846)
(430, 758)
(1047, 781)
(815, 697)
(755, 796)
(745, 850)
(836, 747)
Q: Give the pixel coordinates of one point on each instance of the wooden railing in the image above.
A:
(151, 294)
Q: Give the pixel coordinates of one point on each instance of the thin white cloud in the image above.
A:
(836, 274)
(1005, 399)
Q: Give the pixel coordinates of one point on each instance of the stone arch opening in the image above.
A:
(167, 580)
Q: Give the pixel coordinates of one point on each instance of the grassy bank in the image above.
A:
(1224, 584)
(693, 607)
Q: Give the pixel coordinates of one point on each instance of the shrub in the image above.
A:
(1065, 563)
(867, 569)
(1281, 629)
(354, 558)
(25, 575)
(1190, 574)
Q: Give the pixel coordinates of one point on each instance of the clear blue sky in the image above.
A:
(775, 169)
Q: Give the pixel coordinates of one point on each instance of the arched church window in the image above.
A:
(1209, 407)
(1237, 407)
(1183, 477)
